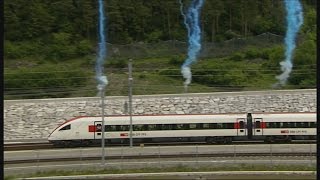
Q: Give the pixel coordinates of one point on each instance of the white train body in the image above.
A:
(210, 128)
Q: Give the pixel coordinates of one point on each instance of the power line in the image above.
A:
(151, 69)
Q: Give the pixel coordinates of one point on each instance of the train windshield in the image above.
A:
(67, 127)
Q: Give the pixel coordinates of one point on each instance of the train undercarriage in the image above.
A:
(177, 140)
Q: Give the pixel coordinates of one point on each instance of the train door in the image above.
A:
(249, 125)
(241, 130)
(258, 129)
(98, 130)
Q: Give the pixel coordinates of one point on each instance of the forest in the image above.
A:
(46, 37)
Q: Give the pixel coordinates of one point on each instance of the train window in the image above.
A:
(125, 128)
(165, 127)
(173, 127)
(118, 128)
(279, 124)
(298, 124)
(224, 126)
(241, 125)
(313, 125)
(205, 126)
(193, 126)
(152, 127)
(270, 125)
(159, 127)
(292, 124)
(273, 124)
(213, 126)
(199, 126)
(186, 126)
(305, 124)
(285, 125)
(98, 128)
(219, 125)
(144, 128)
(258, 124)
(67, 127)
(138, 127)
(228, 126)
(179, 126)
(110, 128)
(107, 128)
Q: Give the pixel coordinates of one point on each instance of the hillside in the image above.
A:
(50, 47)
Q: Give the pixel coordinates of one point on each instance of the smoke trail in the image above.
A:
(191, 21)
(102, 79)
(294, 22)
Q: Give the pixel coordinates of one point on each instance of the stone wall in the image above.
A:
(26, 119)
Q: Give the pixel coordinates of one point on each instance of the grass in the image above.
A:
(180, 168)
(153, 75)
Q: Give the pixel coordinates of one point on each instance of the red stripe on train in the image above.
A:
(92, 128)
(263, 125)
(284, 131)
(124, 134)
(236, 125)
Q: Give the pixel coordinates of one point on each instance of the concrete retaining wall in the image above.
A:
(24, 119)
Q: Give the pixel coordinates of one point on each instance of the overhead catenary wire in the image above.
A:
(276, 68)
(310, 72)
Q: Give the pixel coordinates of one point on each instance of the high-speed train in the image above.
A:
(213, 128)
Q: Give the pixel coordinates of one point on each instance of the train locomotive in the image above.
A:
(212, 128)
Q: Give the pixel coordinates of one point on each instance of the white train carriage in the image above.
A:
(218, 128)
(285, 126)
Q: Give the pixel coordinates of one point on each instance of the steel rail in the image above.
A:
(37, 146)
(184, 155)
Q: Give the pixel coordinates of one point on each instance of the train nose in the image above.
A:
(51, 136)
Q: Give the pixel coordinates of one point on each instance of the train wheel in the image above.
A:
(269, 139)
(288, 139)
(85, 143)
(228, 140)
(66, 144)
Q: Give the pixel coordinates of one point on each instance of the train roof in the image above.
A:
(168, 119)
(282, 117)
(164, 119)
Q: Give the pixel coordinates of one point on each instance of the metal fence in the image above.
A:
(209, 49)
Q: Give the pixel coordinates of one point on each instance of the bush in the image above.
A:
(117, 63)
(84, 48)
(176, 60)
(154, 36)
(237, 56)
(142, 76)
(170, 72)
(252, 53)
(48, 81)
(14, 50)
(61, 47)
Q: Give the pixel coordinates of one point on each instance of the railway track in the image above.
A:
(47, 145)
(27, 146)
(187, 155)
